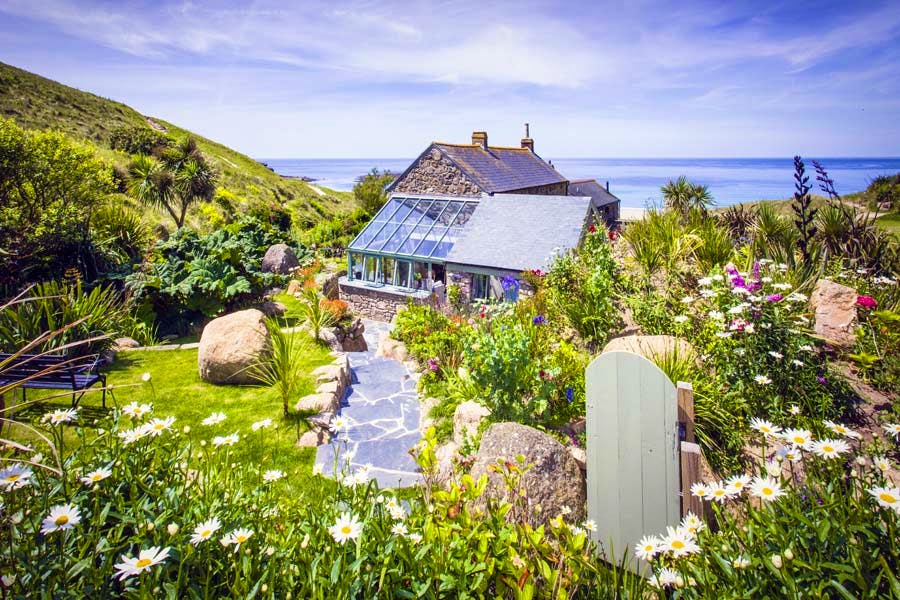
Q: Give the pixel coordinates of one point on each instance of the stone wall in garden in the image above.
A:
(374, 304)
(434, 173)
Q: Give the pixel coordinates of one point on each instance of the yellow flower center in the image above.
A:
(767, 491)
(885, 497)
(701, 492)
(827, 449)
(346, 530)
(241, 539)
(840, 429)
(678, 544)
(648, 548)
(799, 440)
(205, 533)
(96, 477)
(12, 478)
(765, 429)
(140, 564)
(158, 426)
(61, 520)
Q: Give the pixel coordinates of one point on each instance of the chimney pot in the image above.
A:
(479, 138)
(527, 142)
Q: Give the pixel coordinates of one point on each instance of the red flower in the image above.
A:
(592, 229)
(867, 302)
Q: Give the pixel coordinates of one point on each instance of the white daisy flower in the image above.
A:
(736, 484)
(205, 530)
(708, 293)
(61, 518)
(236, 538)
(886, 496)
(765, 427)
(717, 277)
(762, 380)
(776, 355)
(397, 512)
(415, 538)
(792, 454)
(740, 563)
(767, 489)
(15, 477)
(701, 490)
(716, 315)
(830, 448)
(347, 527)
(692, 523)
(136, 411)
(130, 436)
(96, 476)
(145, 377)
(766, 279)
(794, 410)
(156, 426)
(58, 417)
(807, 348)
(272, 475)
(892, 429)
(399, 529)
(590, 525)
(664, 578)
(226, 440)
(841, 429)
(131, 566)
(737, 309)
(801, 438)
(317, 469)
(798, 363)
(704, 281)
(724, 334)
(782, 286)
(261, 425)
(338, 424)
(797, 297)
(213, 419)
(881, 463)
(681, 319)
(648, 547)
(718, 492)
(679, 542)
(565, 510)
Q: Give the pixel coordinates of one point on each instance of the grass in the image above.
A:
(890, 222)
(36, 102)
(175, 389)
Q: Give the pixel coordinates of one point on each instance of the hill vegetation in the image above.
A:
(245, 185)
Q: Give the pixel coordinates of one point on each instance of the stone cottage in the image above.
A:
(472, 216)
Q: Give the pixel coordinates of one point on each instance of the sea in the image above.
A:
(637, 181)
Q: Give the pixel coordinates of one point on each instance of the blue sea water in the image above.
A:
(636, 181)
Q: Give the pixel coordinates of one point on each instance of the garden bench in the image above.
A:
(53, 372)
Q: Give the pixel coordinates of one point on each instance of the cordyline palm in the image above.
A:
(682, 196)
(181, 178)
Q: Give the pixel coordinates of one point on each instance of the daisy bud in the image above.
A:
(288, 596)
(264, 588)
(305, 541)
(679, 582)
(270, 551)
(202, 443)
(861, 461)
(187, 429)
(150, 526)
(788, 554)
(172, 528)
(776, 561)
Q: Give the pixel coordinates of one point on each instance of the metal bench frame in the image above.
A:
(54, 372)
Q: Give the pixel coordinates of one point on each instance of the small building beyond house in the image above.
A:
(472, 216)
(605, 203)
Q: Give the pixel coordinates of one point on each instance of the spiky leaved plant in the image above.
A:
(802, 207)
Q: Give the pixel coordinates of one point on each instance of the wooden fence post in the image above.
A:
(685, 394)
(689, 451)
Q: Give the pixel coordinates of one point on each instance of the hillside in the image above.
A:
(36, 102)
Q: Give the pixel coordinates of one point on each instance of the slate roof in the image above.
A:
(497, 169)
(591, 187)
(516, 232)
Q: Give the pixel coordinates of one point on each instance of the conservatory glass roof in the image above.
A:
(417, 226)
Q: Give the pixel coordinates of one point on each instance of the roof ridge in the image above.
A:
(584, 180)
(480, 146)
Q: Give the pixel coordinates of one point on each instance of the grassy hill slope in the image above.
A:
(36, 102)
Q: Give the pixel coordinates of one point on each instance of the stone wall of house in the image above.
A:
(434, 173)
(373, 303)
(463, 281)
(550, 189)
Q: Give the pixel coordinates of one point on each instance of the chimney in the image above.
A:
(479, 138)
(527, 142)
(607, 186)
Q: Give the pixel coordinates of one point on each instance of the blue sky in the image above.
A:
(383, 79)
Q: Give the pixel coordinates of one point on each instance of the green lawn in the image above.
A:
(175, 389)
(890, 222)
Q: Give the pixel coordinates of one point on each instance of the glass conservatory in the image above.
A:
(407, 243)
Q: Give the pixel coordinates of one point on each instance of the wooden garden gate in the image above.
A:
(633, 460)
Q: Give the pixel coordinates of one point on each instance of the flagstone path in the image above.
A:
(382, 413)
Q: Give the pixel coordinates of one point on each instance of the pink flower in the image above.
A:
(867, 302)
(432, 364)
(774, 298)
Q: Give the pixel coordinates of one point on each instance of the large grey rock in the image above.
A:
(318, 402)
(466, 420)
(834, 306)
(231, 344)
(125, 343)
(351, 337)
(280, 259)
(554, 480)
(273, 309)
(391, 348)
(328, 283)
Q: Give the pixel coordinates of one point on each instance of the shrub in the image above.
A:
(282, 368)
(98, 312)
(192, 276)
(369, 192)
(139, 140)
(315, 311)
(337, 307)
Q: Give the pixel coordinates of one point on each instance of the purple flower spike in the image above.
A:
(774, 298)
